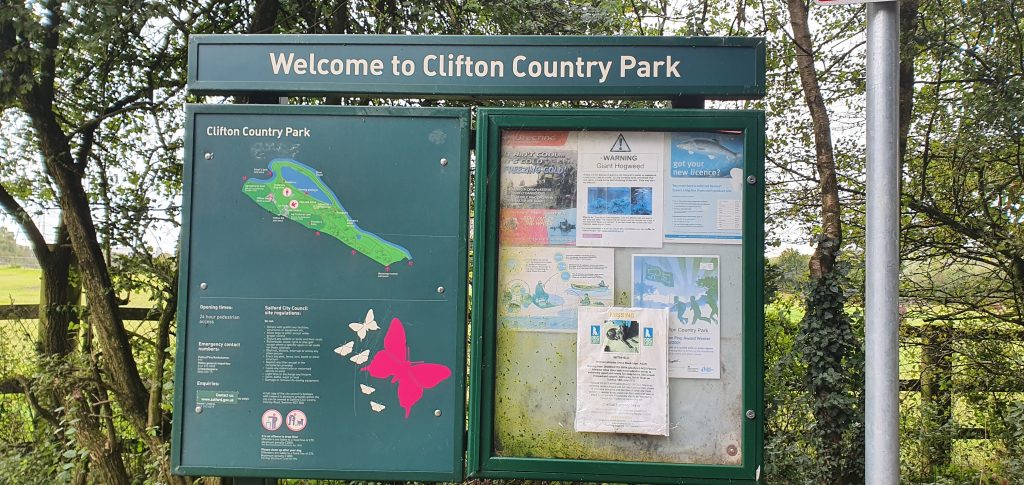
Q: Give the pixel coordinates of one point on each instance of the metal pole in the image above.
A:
(881, 315)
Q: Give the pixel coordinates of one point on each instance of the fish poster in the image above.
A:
(538, 188)
(621, 377)
(704, 187)
(541, 288)
(688, 287)
(620, 188)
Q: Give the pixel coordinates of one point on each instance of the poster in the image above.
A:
(538, 188)
(688, 287)
(704, 187)
(619, 189)
(540, 288)
(621, 379)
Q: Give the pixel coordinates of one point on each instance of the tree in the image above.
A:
(73, 81)
(826, 336)
(793, 270)
(960, 100)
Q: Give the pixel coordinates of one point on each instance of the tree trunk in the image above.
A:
(936, 398)
(58, 299)
(908, 52)
(118, 361)
(156, 386)
(827, 249)
(104, 451)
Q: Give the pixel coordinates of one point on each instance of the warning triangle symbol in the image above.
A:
(620, 145)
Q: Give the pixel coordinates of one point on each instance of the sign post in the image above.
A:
(881, 306)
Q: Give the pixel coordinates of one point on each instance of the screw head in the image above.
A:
(208, 155)
(440, 290)
(751, 179)
(751, 414)
(437, 412)
(202, 286)
(199, 409)
(444, 161)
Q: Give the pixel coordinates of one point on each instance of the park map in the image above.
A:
(295, 191)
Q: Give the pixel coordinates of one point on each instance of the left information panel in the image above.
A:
(323, 293)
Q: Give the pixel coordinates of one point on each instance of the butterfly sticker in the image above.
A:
(412, 377)
(368, 323)
(366, 389)
(345, 349)
(361, 357)
(376, 406)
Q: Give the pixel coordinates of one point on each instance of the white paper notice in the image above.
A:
(621, 375)
(619, 189)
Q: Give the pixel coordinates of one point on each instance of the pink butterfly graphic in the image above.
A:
(412, 377)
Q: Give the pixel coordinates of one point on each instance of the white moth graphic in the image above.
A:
(368, 323)
(361, 357)
(376, 406)
(345, 349)
(366, 389)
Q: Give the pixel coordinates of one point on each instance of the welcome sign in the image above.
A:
(469, 66)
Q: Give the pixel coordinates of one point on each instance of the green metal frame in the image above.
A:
(481, 461)
(437, 88)
(460, 266)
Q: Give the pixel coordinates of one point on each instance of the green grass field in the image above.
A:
(19, 286)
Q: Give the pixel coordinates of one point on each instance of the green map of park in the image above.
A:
(295, 191)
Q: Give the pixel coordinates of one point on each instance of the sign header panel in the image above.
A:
(479, 66)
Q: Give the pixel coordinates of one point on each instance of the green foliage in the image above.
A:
(788, 458)
(772, 275)
(813, 374)
(833, 377)
(792, 267)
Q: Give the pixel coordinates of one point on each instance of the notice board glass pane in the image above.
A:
(598, 216)
(323, 293)
(545, 274)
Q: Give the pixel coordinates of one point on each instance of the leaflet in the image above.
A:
(704, 188)
(538, 188)
(621, 379)
(540, 288)
(688, 286)
(620, 186)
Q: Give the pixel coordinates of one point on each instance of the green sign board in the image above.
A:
(479, 66)
(617, 327)
(322, 293)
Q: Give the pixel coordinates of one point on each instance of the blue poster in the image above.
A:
(704, 187)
